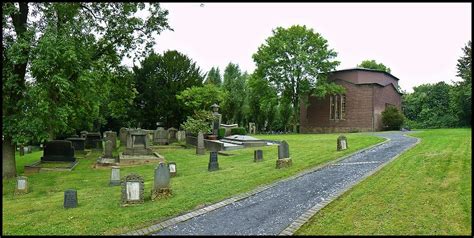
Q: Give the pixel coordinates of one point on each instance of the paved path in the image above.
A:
(269, 212)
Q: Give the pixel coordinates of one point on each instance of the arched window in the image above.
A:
(337, 107)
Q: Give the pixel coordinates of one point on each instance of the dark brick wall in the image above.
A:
(382, 96)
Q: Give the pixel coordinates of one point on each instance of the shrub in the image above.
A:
(238, 131)
(392, 118)
(221, 133)
(200, 122)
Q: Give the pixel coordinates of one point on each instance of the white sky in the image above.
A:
(419, 42)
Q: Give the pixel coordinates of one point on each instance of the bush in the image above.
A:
(221, 133)
(238, 131)
(392, 118)
(200, 122)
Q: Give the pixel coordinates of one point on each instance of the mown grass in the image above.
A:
(426, 191)
(41, 212)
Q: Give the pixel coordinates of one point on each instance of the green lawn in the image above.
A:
(41, 211)
(426, 191)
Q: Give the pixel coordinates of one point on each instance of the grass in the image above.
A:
(425, 191)
(41, 212)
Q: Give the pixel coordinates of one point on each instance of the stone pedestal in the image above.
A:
(283, 163)
(200, 149)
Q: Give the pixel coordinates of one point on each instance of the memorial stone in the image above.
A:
(172, 167)
(341, 143)
(132, 190)
(161, 184)
(77, 143)
(83, 134)
(200, 149)
(181, 136)
(70, 198)
(58, 150)
(283, 150)
(257, 156)
(217, 119)
(252, 128)
(115, 176)
(108, 148)
(213, 162)
(172, 134)
(161, 136)
(123, 136)
(93, 141)
(112, 136)
(21, 185)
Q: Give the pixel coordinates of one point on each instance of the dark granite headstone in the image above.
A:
(257, 156)
(341, 143)
(213, 162)
(70, 198)
(200, 149)
(93, 141)
(77, 143)
(283, 150)
(58, 150)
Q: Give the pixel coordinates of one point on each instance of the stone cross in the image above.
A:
(21, 185)
(257, 156)
(341, 143)
(70, 198)
(283, 150)
(115, 176)
(213, 162)
(200, 150)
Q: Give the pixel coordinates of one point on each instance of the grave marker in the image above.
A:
(213, 162)
(132, 190)
(161, 183)
(257, 156)
(341, 143)
(21, 185)
(200, 150)
(115, 176)
(70, 198)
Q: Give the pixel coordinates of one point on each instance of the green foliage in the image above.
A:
(392, 118)
(159, 79)
(214, 76)
(372, 64)
(238, 131)
(235, 88)
(201, 98)
(462, 91)
(294, 60)
(221, 133)
(199, 122)
(262, 99)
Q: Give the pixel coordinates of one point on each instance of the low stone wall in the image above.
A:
(315, 129)
(210, 145)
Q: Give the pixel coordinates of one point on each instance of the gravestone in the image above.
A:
(78, 144)
(252, 128)
(21, 185)
(28, 149)
(150, 136)
(161, 136)
(132, 189)
(115, 176)
(216, 122)
(93, 141)
(172, 167)
(181, 136)
(70, 198)
(172, 134)
(123, 136)
(112, 136)
(341, 143)
(284, 159)
(108, 148)
(257, 156)
(58, 150)
(22, 150)
(161, 183)
(83, 134)
(137, 144)
(213, 162)
(200, 150)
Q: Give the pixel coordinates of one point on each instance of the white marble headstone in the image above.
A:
(343, 144)
(21, 184)
(115, 174)
(172, 168)
(133, 191)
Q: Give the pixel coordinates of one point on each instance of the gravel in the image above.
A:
(272, 210)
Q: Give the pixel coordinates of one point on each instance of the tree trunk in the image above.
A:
(8, 159)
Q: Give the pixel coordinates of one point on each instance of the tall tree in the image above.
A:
(372, 64)
(214, 76)
(295, 60)
(69, 50)
(462, 92)
(262, 102)
(234, 86)
(158, 81)
(200, 98)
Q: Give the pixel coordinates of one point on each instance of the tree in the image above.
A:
(294, 60)
(392, 118)
(201, 98)
(462, 92)
(262, 101)
(372, 64)
(67, 51)
(158, 81)
(234, 86)
(214, 76)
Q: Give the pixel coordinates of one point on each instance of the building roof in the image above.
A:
(365, 69)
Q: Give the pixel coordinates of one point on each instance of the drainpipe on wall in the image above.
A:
(373, 108)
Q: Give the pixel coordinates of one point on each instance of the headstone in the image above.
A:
(115, 176)
(172, 134)
(123, 136)
(284, 159)
(70, 198)
(21, 185)
(341, 143)
(112, 136)
(252, 128)
(78, 144)
(283, 150)
(58, 150)
(200, 150)
(172, 167)
(83, 134)
(22, 150)
(161, 136)
(150, 136)
(137, 144)
(213, 162)
(108, 149)
(257, 156)
(181, 136)
(161, 184)
(93, 141)
(132, 189)
(28, 149)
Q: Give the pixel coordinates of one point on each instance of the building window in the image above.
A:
(337, 105)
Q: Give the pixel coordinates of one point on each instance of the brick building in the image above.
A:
(368, 93)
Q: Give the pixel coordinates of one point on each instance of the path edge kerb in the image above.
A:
(301, 220)
(175, 220)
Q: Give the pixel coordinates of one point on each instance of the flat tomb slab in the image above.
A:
(140, 159)
(43, 166)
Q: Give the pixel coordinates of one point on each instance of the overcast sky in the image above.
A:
(419, 42)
